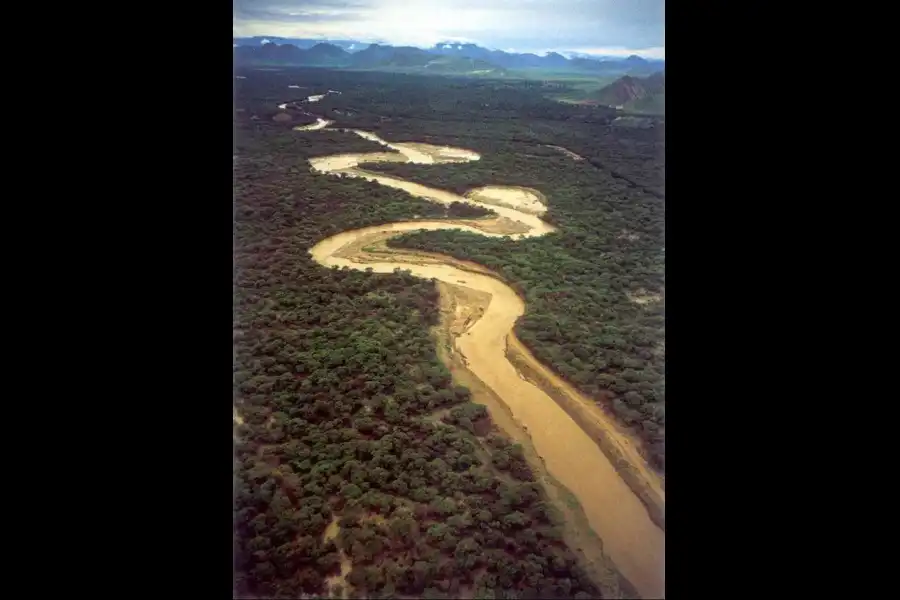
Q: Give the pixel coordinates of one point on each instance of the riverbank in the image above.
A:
(627, 517)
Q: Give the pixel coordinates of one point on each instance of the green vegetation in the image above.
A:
(594, 293)
(645, 95)
(594, 290)
(461, 210)
(650, 105)
(336, 375)
(565, 85)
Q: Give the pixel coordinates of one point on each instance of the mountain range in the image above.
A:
(375, 56)
(552, 60)
(261, 40)
(444, 57)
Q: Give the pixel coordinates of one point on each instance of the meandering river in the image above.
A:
(631, 539)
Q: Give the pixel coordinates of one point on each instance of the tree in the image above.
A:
(315, 347)
(351, 491)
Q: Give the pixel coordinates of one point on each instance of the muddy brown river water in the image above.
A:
(631, 539)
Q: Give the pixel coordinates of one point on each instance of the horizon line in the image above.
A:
(657, 53)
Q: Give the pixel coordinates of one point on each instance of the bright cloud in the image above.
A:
(656, 52)
(612, 26)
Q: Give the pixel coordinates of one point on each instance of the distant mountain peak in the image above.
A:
(326, 48)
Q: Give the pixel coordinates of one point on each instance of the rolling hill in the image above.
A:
(646, 95)
(376, 56)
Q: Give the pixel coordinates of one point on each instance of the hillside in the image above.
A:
(328, 54)
(498, 57)
(453, 64)
(637, 94)
(376, 56)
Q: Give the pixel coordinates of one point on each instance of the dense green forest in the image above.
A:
(595, 290)
(501, 110)
(335, 379)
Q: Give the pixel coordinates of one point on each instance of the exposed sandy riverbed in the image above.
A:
(319, 124)
(348, 164)
(630, 538)
(460, 308)
(522, 199)
(567, 152)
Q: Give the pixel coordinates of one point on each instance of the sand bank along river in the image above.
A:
(631, 538)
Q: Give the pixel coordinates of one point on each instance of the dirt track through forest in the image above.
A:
(616, 513)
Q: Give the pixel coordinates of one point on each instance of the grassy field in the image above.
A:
(575, 86)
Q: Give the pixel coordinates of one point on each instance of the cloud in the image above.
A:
(655, 52)
(298, 12)
(528, 25)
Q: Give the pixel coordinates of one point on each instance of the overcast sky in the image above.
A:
(596, 26)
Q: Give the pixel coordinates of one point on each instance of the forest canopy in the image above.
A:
(346, 483)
